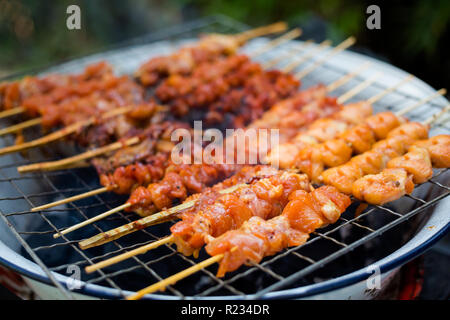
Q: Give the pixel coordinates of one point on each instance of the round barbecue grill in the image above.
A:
(334, 263)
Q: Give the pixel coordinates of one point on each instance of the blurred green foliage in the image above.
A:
(414, 34)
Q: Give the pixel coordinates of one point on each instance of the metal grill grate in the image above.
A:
(341, 243)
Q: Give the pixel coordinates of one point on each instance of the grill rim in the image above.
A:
(328, 285)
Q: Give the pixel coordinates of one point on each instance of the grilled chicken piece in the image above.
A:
(360, 138)
(342, 177)
(439, 150)
(387, 186)
(416, 162)
(335, 152)
(258, 238)
(355, 113)
(382, 123)
(265, 198)
(415, 130)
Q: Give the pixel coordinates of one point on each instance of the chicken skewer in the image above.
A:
(306, 154)
(269, 190)
(213, 44)
(403, 172)
(375, 160)
(131, 227)
(257, 237)
(111, 186)
(300, 49)
(136, 196)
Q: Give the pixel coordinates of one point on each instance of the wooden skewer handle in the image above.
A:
(92, 220)
(11, 112)
(20, 126)
(58, 164)
(277, 42)
(176, 277)
(260, 31)
(71, 199)
(128, 254)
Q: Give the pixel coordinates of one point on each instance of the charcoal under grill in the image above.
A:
(334, 257)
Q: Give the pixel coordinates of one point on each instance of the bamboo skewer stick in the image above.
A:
(320, 47)
(261, 31)
(92, 220)
(71, 199)
(54, 165)
(355, 90)
(297, 50)
(434, 118)
(161, 285)
(21, 126)
(129, 254)
(343, 80)
(11, 112)
(341, 47)
(391, 89)
(59, 134)
(294, 33)
(440, 92)
(153, 219)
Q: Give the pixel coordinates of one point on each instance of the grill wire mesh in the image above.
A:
(337, 244)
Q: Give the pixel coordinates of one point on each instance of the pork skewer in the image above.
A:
(84, 123)
(32, 90)
(213, 44)
(57, 164)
